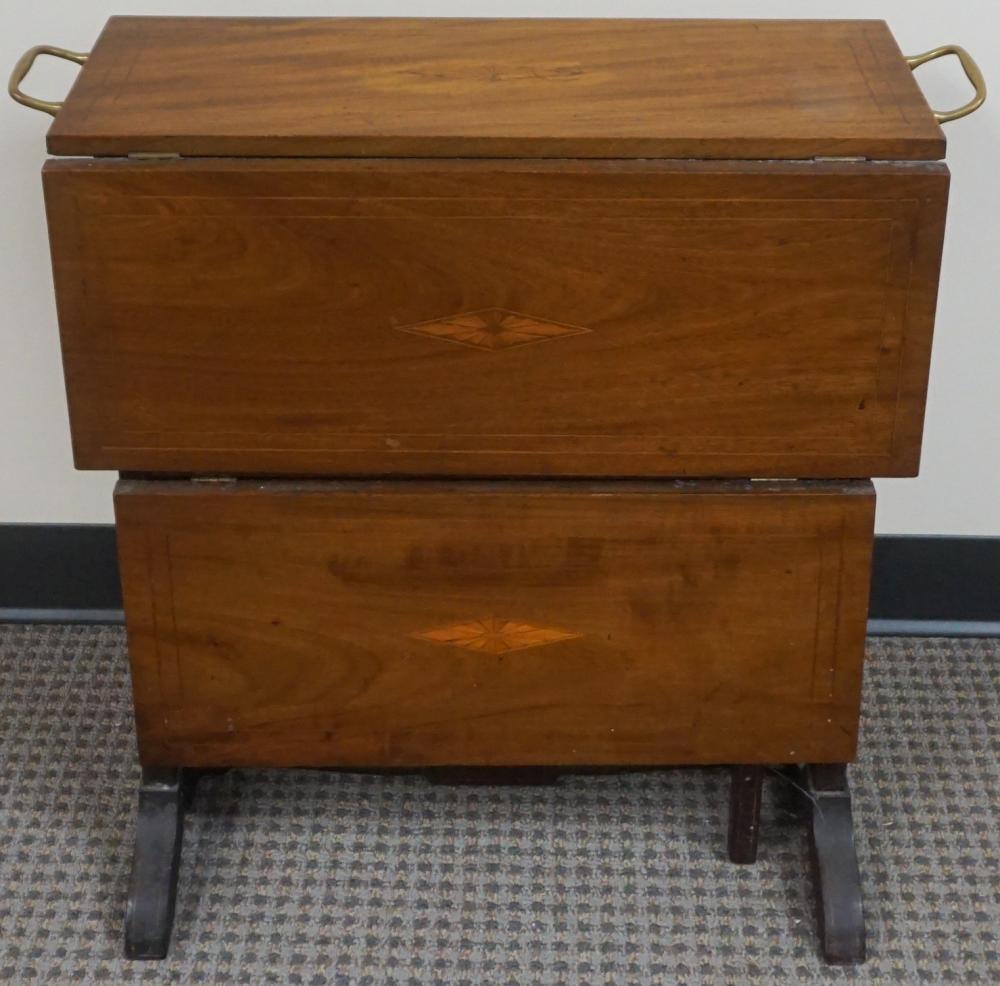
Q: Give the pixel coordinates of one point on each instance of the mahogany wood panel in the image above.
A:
(496, 88)
(496, 318)
(433, 623)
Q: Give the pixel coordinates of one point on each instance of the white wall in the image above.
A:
(958, 491)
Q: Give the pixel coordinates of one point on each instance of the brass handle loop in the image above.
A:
(23, 67)
(972, 71)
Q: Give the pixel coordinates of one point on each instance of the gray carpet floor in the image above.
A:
(309, 878)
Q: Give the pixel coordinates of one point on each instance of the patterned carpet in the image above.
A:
(309, 878)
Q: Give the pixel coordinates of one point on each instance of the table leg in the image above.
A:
(837, 879)
(159, 827)
(744, 812)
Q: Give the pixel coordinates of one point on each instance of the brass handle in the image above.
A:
(23, 67)
(972, 72)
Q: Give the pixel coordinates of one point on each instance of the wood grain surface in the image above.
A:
(496, 318)
(428, 623)
(496, 88)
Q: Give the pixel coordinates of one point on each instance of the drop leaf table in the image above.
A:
(496, 393)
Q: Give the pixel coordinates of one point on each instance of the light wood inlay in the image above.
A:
(493, 329)
(495, 636)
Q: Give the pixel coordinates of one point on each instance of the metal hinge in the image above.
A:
(152, 156)
(213, 479)
(772, 479)
(841, 160)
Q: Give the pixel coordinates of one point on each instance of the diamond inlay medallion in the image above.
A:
(493, 329)
(495, 636)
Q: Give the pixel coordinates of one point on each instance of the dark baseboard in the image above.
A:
(936, 586)
(921, 586)
(59, 573)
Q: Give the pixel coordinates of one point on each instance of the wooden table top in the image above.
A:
(407, 87)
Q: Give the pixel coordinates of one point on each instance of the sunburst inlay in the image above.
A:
(493, 329)
(495, 636)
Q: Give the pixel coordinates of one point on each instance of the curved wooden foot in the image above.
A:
(837, 879)
(159, 827)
